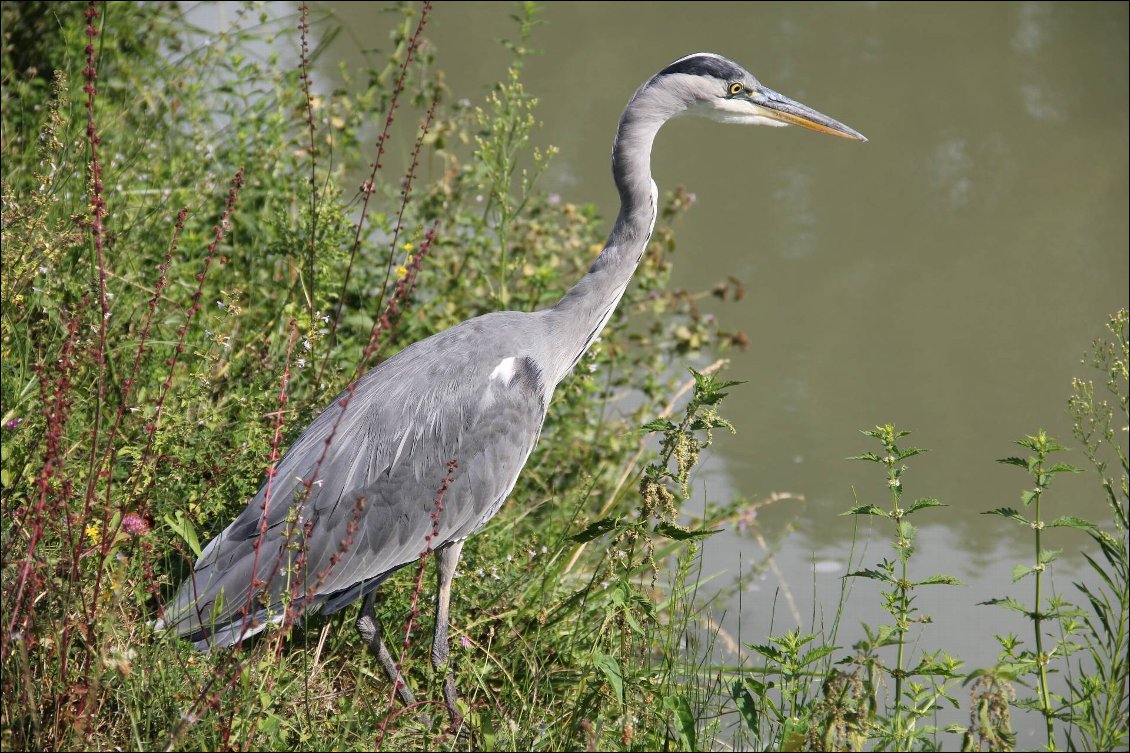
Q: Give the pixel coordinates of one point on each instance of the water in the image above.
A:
(946, 276)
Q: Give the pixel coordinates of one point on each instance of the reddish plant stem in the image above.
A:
(367, 187)
(56, 412)
(385, 323)
(414, 609)
(270, 471)
(109, 457)
(302, 590)
(304, 29)
(218, 232)
(97, 231)
(406, 193)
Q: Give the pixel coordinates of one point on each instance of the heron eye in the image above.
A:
(736, 88)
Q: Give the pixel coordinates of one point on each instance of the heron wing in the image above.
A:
(358, 495)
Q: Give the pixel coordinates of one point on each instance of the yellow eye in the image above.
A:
(736, 88)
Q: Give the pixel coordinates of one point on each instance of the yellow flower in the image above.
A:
(94, 533)
(401, 271)
(408, 247)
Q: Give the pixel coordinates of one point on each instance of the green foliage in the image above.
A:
(156, 364)
(899, 728)
(1024, 662)
(232, 322)
(1100, 692)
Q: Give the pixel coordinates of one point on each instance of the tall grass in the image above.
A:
(186, 281)
(190, 274)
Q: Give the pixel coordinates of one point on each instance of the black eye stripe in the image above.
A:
(705, 65)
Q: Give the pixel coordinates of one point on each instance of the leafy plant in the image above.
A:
(1019, 662)
(898, 729)
(187, 280)
(1100, 688)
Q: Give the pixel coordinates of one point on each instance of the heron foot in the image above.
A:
(450, 695)
(370, 629)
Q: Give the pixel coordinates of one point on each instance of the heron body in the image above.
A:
(476, 394)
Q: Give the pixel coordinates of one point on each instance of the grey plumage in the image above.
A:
(489, 426)
(476, 394)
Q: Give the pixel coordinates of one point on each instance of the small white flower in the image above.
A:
(301, 363)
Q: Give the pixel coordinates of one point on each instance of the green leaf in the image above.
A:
(1020, 571)
(612, 672)
(1010, 513)
(923, 503)
(746, 705)
(886, 635)
(659, 424)
(1048, 556)
(1020, 462)
(633, 623)
(1027, 498)
(866, 456)
(1070, 521)
(682, 534)
(684, 720)
(865, 510)
(1062, 468)
(940, 580)
(1008, 603)
(872, 574)
(769, 652)
(909, 452)
(907, 529)
(816, 655)
(182, 526)
(596, 530)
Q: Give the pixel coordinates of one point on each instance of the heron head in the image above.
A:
(718, 88)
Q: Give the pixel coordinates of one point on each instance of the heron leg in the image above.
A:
(370, 629)
(447, 558)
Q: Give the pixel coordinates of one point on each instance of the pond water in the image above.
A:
(947, 276)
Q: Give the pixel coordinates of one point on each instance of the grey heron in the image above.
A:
(461, 409)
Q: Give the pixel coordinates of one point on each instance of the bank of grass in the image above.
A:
(192, 268)
(191, 272)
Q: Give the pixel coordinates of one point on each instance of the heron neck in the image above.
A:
(579, 317)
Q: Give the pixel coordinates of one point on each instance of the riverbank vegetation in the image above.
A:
(203, 245)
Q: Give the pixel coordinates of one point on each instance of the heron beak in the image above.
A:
(779, 107)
